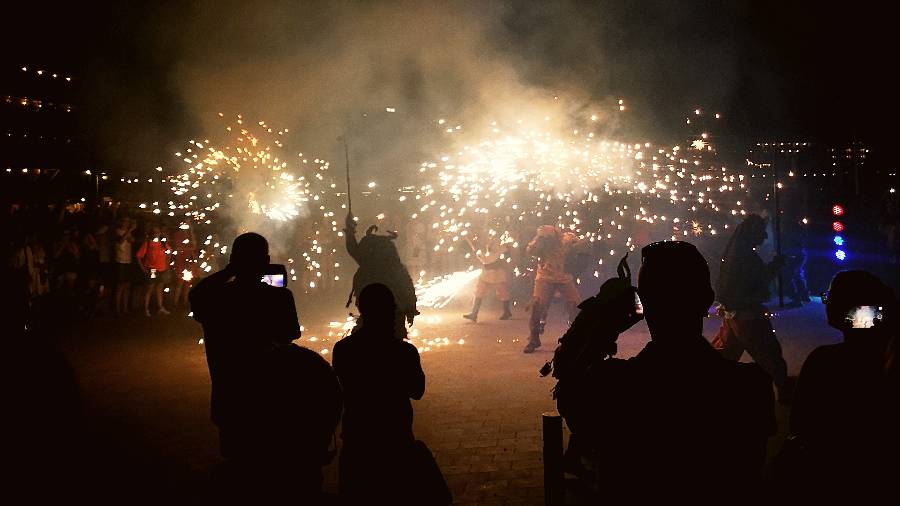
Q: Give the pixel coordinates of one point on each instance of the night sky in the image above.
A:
(803, 70)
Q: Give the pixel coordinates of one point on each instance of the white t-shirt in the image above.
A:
(123, 249)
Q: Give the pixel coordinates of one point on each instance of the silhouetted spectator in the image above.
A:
(743, 289)
(106, 273)
(43, 431)
(381, 462)
(65, 262)
(88, 271)
(678, 420)
(846, 412)
(294, 407)
(379, 262)
(37, 267)
(242, 318)
(124, 240)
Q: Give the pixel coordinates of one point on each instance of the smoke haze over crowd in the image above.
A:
(157, 73)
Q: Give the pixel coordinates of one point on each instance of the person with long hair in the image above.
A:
(742, 292)
(381, 462)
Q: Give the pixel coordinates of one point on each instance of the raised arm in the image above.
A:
(350, 237)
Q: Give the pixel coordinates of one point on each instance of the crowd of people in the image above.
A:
(104, 260)
(277, 405)
(684, 414)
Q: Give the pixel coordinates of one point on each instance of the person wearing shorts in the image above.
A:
(154, 263)
(123, 266)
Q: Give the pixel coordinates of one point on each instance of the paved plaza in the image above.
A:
(145, 391)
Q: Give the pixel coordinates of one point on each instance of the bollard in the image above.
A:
(554, 491)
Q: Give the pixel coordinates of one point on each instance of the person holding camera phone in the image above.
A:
(246, 325)
(846, 407)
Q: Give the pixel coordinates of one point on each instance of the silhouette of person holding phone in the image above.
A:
(242, 318)
(846, 406)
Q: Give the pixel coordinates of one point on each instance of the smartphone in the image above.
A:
(864, 317)
(275, 275)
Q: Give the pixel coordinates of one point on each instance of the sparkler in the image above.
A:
(440, 291)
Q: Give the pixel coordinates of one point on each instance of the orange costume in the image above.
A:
(550, 246)
(494, 275)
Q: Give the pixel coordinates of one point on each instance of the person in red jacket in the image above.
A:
(152, 259)
(184, 265)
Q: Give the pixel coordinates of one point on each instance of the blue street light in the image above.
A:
(839, 240)
(840, 255)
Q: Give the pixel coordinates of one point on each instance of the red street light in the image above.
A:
(837, 210)
(837, 226)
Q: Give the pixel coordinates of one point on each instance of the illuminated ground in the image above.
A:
(146, 394)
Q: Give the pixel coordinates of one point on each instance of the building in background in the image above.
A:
(812, 180)
(43, 156)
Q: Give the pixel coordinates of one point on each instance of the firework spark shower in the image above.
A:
(498, 180)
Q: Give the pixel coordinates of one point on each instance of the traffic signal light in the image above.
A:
(837, 210)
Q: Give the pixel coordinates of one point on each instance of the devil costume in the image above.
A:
(379, 262)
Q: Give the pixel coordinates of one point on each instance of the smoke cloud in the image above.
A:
(323, 70)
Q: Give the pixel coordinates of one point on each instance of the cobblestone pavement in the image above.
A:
(145, 388)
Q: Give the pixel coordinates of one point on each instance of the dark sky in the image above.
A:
(774, 69)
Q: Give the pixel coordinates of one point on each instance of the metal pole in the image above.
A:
(347, 160)
(554, 491)
(778, 234)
